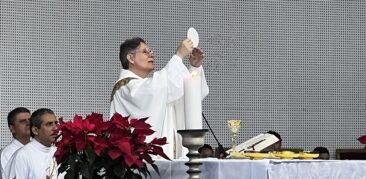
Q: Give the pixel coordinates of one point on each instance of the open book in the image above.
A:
(256, 143)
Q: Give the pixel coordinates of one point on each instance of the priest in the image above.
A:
(159, 97)
(18, 122)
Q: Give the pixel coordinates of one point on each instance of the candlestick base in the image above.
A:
(193, 139)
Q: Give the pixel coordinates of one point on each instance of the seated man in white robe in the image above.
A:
(159, 97)
(36, 159)
(18, 122)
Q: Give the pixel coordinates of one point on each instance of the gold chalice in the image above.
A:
(234, 125)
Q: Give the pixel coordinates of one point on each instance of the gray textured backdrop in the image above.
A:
(297, 67)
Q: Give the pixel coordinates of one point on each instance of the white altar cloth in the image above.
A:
(317, 169)
(264, 169)
(213, 169)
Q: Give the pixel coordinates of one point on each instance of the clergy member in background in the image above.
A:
(36, 159)
(206, 151)
(158, 97)
(323, 153)
(18, 122)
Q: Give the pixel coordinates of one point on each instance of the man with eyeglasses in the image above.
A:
(36, 159)
(18, 122)
(159, 97)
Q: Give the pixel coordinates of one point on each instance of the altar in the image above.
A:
(264, 169)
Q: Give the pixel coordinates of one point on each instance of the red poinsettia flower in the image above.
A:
(99, 144)
(117, 144)
(362, 139)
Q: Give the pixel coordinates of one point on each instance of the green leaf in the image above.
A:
(90, 155)
(71, 159)
(144, 171)
(65, 158)
(155, 168)
(110, 174)
(63, 167)
(106, 163)
(69, 175)
(84, 169)
(119, 170)
(72, 166)
(136, 176)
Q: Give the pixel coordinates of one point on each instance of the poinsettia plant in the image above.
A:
(362, 139)
(94, 148)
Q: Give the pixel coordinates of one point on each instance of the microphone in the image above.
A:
(221, 148)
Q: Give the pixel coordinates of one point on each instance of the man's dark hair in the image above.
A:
(126, 47)
(14, 112)
(205, 146)
(321, 150)
(275, 134)
(35, 119)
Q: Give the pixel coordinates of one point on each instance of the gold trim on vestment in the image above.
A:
(175, 147)
(119, 84)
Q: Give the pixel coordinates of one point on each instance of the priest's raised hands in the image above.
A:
(196, 58)
(184, 48)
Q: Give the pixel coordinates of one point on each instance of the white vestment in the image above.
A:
(33, 161)
(7, 152)
(160, 98)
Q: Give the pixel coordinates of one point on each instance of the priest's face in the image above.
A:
(141, 60)
(206, 153)
(20, 129)
(323, 156)
(46, 133)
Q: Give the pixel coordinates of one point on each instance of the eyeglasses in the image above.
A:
(146, 50)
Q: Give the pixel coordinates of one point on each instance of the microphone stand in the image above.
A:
(221, 148)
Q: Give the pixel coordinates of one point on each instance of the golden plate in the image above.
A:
(257, 156)
(238, 155)
(308, 156)
(286, 155)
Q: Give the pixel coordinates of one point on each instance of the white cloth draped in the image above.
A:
(213, 168)
(7, 152)
(264, 169)
(319, 169)
(160, 99)
(33, 161)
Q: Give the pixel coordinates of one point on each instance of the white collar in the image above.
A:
(127, 73)
(17, 143)
(42, 147)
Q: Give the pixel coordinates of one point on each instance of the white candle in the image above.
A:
(192, 101)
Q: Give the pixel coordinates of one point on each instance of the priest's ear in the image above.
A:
(35, 130)
(130, 58)
(12, 129)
